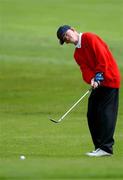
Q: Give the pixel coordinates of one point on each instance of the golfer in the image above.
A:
(99, 69)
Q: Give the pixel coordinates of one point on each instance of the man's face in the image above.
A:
(69, 36)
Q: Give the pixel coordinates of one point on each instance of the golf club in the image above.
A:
(59, 120)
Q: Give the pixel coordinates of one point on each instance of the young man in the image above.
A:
(99, 69)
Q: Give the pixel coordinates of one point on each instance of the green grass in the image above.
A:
(39, 79)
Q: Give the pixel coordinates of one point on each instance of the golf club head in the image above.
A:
(53, 120)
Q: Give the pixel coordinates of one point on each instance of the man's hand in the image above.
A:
(95, 82)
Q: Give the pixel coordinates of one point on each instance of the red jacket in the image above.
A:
(94, 56)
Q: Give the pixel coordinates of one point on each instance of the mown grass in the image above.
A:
(39, 79)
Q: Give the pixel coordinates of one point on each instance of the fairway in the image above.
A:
(39, 80)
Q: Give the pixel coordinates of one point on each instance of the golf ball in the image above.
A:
(22, 157)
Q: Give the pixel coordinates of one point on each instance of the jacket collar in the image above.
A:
(78, 45)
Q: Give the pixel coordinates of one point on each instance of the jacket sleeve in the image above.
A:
(101, 53)
(87, 74)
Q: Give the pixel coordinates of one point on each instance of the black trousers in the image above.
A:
(102, 116)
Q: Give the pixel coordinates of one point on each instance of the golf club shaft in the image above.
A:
(73, 106)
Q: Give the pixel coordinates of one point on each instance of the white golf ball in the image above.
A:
(22, 157)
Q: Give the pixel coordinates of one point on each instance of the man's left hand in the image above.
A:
(95, 82)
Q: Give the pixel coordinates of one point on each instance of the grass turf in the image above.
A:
(39, 79)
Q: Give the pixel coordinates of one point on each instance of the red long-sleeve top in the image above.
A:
(94, 56)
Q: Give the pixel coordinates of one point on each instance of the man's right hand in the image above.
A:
(94, 84)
